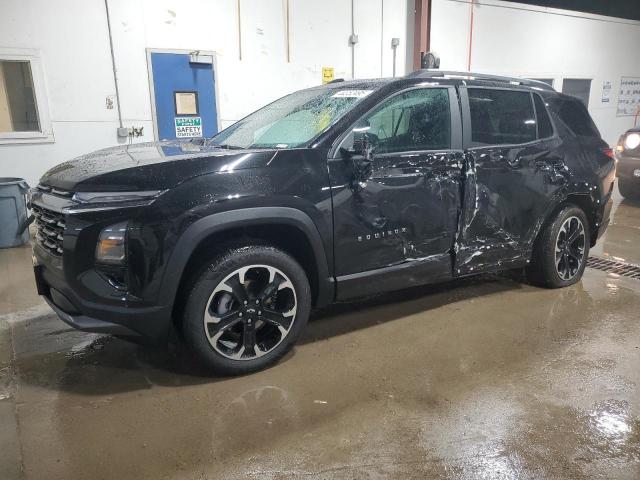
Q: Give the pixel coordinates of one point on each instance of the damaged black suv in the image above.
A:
(334, 192)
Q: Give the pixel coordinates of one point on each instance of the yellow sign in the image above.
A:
(327, 74)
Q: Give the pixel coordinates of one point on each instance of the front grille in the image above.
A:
(49, 229)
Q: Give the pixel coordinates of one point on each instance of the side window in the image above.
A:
(23, 110)
(18, 111)
(418, 119)
(545, 129)
(501, 117)
(576, 117)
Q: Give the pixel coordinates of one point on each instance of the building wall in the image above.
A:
(536, 42)
(72, 39)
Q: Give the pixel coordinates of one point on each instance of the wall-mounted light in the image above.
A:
(394, 46)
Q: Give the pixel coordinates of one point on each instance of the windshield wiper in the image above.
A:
(226, 146)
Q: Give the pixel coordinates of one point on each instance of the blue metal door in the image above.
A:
(184, 96)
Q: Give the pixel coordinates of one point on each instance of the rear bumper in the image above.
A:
(606, 216)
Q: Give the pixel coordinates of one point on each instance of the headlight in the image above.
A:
(632, 141)
(111, 247)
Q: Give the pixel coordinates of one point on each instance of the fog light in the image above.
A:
(111, 244)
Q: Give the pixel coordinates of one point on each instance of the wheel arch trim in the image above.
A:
(246, 217)
(585, 198)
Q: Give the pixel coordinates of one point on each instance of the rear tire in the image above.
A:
(628, 190)
(561, 250)
(246, 309)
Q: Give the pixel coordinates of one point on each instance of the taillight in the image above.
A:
(609, 153)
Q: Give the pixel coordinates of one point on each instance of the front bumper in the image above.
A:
(84, 295)
(149, 322)
(627, 167)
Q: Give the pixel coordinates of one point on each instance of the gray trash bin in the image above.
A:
(14, 220)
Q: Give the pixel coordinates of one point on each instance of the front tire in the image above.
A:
(246, 309)
(561, 251)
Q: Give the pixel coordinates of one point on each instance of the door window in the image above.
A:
(186, 103)
(418, 119)
(501, 117)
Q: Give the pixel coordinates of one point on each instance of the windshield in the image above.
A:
(292, 121)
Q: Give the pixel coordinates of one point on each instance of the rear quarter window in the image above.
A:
(576, 118)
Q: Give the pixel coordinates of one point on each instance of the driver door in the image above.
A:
(395, 216)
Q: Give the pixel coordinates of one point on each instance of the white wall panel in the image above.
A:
(320, 34)
(368, 27)
(395, 16)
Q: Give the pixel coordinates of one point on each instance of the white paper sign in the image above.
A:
(629, 97)
(351, 94)
(606, 92)
(188, 127)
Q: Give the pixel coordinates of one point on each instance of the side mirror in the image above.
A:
(362, 145)
(362, 156)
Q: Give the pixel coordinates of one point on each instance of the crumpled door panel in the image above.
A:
(406, 210)
(507, 192)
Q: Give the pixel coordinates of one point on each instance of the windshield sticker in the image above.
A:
(351, 94)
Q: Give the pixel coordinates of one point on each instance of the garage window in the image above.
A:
(18, 112)
(23, 113)
(501, 117)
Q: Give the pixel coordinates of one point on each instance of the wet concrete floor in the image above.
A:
(485, 378)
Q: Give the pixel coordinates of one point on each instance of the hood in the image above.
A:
(149, 166)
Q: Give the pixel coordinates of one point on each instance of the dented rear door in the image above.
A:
(512, 176)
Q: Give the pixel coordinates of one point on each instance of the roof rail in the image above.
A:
(434, 73)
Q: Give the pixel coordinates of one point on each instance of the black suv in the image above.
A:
(334, 192)
(628, 171)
